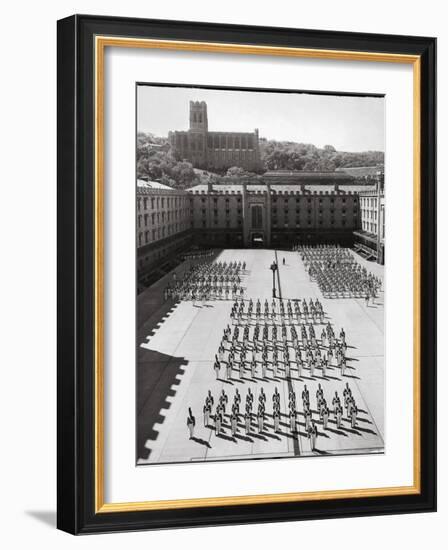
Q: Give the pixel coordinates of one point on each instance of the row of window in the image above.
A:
(160, 202)
(368, 214)
(145, 237)
(157, 217)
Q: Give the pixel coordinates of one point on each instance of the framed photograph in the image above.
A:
(246, 274)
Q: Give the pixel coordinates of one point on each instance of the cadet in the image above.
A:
(262, 397)
(191, 422)
(207, 411)
(223, 400)
(247, 422)
(324, 366)
(325, 416)
(218, 422)
(233, 423)
(209, 400)
(308, 417)
(305, 394)
(260, 419)
(312, 434)
(228, 370)
(293, 421)
(336, 401)
(241, 369)
(276, 417)
(216, 369)
(354, 415)
(338, 415)
(253, 368)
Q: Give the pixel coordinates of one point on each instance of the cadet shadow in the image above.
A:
(321, 452)
(352, 376)
(363, 420)
(271, 436)
(201, 442)
(244, 438)
(338, 432)
(351, 430)
(259, 436)
(365, 430)
(226, 437)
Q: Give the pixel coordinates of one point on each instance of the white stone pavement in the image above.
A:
(190, 335)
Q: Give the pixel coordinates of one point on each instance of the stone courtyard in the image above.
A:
(177, 343)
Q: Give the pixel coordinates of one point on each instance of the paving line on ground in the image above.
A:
(296, 440)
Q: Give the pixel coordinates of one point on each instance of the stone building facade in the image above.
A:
(163, 219)
(254, 214)
(248, 215)
(215, 151)
(370, 237)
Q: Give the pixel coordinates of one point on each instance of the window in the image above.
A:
(257, 217)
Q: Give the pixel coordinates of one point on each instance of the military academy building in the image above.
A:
(215, 151)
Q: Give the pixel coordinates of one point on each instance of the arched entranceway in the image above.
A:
(257, 239)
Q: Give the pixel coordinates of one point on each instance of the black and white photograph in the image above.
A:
(260, 274)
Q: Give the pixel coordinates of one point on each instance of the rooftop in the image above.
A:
(362, 170)
(301, 175)
(279, 188)
(143, 184)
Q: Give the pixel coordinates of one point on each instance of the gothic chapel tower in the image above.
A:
(198, 117)
(197, 135)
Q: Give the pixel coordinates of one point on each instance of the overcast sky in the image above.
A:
(347, 123)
